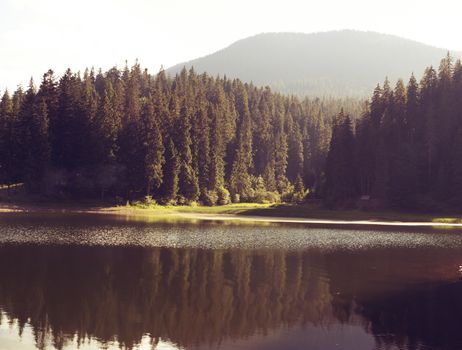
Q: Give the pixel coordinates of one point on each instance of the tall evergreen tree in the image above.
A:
(170, 185)
(240, 185)
(38, 152)
(193, 137)
(189, 184)
(341, 178)
(280, 148)
(153, 147)
(7, 140)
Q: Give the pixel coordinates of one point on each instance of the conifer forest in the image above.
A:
(191, 138)
(406, 151)
(127, 134)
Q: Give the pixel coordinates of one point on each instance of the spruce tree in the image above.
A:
(7, 149)
(37, 160)
(341, 178)
(153, 147)
(240, 185)
(188, 181)
(280, 148)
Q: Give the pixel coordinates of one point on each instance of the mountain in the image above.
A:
(336, 63)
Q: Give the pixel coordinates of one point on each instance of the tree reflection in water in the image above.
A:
(205, 298)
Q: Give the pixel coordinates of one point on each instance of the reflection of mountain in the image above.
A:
(201, 298)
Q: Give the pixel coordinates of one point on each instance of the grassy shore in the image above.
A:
(306, 211)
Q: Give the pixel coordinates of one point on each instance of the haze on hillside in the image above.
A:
(337, 63)
(39, 35)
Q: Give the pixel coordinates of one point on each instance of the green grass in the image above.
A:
(453, 220)
(308, 211)
(318, 212)
(237, 208)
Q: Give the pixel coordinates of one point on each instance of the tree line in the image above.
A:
(129, 134)
(406, 150)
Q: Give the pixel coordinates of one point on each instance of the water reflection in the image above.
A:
(109, 297)
(106, 230)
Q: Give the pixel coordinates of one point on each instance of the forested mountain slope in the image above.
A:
(337, 63)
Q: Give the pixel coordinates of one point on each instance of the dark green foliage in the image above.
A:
(170, 184)
(341, 175)
(178, 140)
(37, 157)
(299, 190)
(189, 184)
(153, 147)
(6, 139)
(408, 148)
(240, 185)
(280, 148)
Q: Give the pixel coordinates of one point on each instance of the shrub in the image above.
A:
(266, 197)
(181, 200)
(223, 196)
(236, 198)
(299, 197)
(209, 198)
(149, 201)
(168, 201)
(288, 194)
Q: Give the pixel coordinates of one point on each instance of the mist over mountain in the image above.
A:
(336, 63)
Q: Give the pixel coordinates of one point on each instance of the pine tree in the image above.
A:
(412, 105)
(37, 157)
(401, 169)
(202, 142)
(264, 135)
(25, 120)
(341, 178)
(107, 125)
(188, 181)
(429, 127)
(295, 151)
(153, 147)
(7, 125)
(130, 144)
(125, 132)
(240, 185)
(217, 150)
(89, 108)
(280, 148)
(170, 185)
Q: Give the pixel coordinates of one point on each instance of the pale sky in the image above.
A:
(36, 35)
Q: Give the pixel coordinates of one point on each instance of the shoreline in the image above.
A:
(243, 213)
(289, 220)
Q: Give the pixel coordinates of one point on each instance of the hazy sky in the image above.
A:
(36, 35)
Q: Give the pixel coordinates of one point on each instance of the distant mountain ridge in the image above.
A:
(336, 63)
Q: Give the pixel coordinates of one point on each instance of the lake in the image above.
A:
(103, 282)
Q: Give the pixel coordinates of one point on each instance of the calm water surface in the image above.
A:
(100, 282)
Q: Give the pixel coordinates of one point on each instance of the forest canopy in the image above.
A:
(182, 139)
(406, 151)
(194, 138)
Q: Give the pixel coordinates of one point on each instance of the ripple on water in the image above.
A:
(113, 232)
